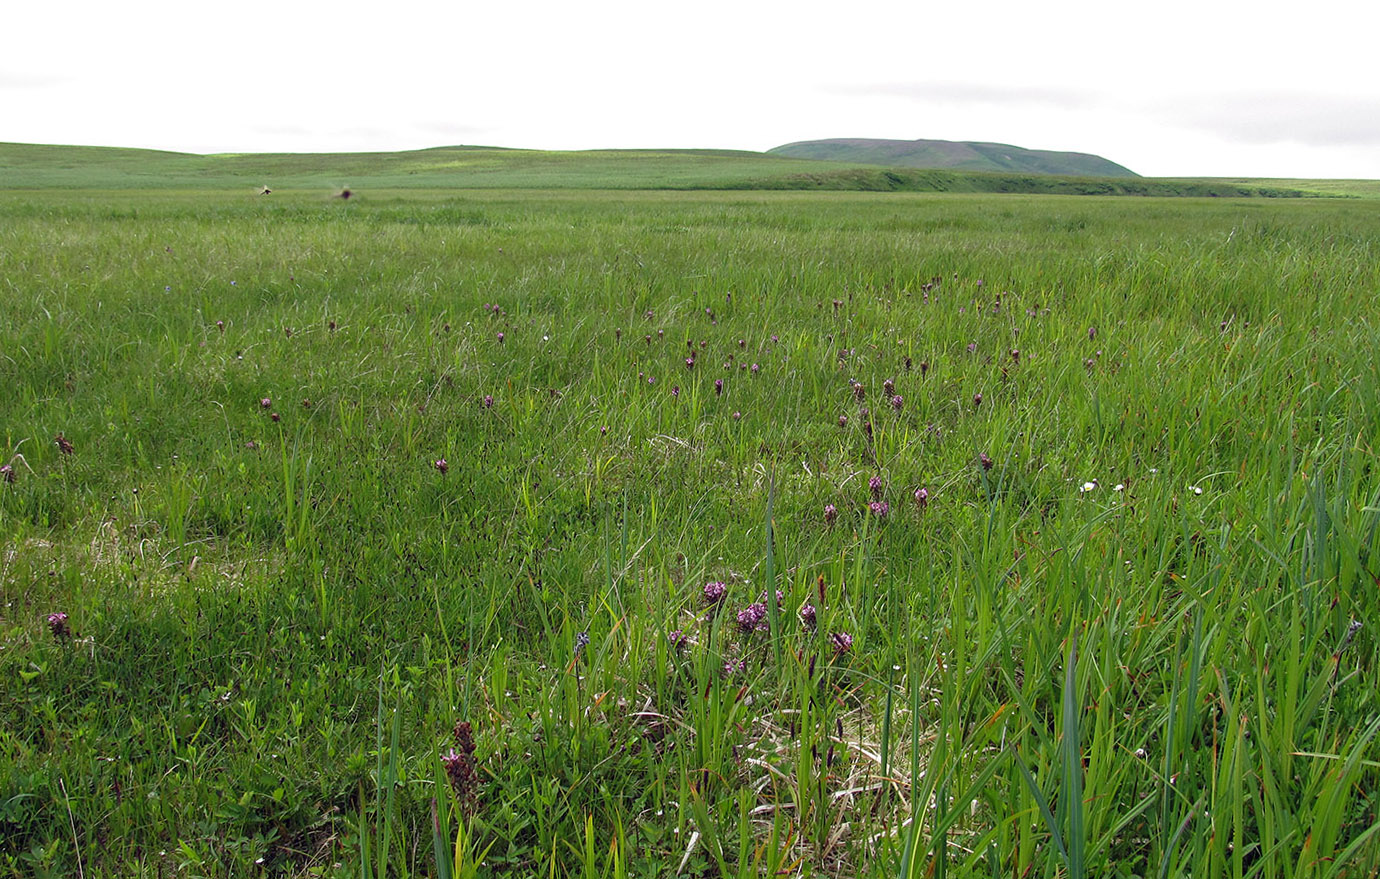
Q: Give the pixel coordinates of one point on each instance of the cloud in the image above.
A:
(282, 130)
(12, 80)
(1281, 117)
(973, 93)
(367, 132)
(451, 128)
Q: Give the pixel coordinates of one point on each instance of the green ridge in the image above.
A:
(954, 155)
(35, 166)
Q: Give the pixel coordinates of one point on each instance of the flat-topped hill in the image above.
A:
(953, 155)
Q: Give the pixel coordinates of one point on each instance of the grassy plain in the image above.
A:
(1343, 188)
(1128, 629)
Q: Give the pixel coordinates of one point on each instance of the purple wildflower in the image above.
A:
(57, 624)
(842, 641)
(874, 485)
(922, 498)
(1092, 333)
(808, 617)
(488, 401)
(266, 403)
(689, 361)
(897, 401)
(734, 667)
(441, 466)
(859, 392)
(675, 391)
(889, 387)
(977, 400)
(879, 509)
(753, 618)
(462, 769)
(756, 369)
(985, 461)
(7, 473)
(737, 416)
(714, 592)
(718, 386)
(831, 513)
(677, 640)
(500, 338)
(843, 421)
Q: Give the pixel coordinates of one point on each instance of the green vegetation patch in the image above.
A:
(28, 167)
(716, 534)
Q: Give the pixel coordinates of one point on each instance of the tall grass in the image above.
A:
(1127, 632)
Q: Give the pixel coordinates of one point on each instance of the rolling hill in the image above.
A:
(953, 155)
(40, 167)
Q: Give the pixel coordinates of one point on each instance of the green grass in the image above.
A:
(1345, 188)
(276, 624)
(33, 166)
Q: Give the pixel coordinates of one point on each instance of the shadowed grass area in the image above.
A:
(345, 475)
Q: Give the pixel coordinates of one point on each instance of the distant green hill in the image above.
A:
(35, 166)
(953, 155)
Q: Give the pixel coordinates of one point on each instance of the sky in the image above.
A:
(1174, 88)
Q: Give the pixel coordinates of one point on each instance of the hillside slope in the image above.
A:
(953, 155)
(36, 166)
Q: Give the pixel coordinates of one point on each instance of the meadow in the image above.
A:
(605, 534)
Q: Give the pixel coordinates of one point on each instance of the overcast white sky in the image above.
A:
(1202, 88)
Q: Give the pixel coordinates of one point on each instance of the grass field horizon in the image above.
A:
(585, 533)
(40, 167)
